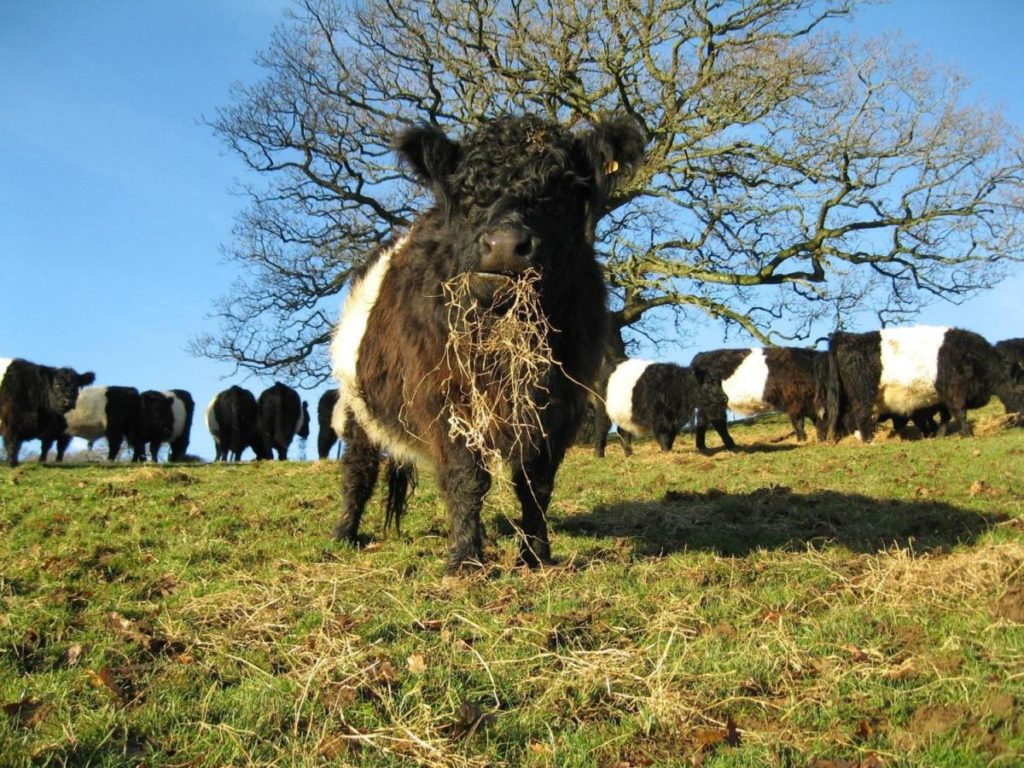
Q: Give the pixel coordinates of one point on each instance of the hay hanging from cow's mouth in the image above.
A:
(498, 357)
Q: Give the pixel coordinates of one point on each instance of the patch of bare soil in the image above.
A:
(984, 725)
(1010, 605)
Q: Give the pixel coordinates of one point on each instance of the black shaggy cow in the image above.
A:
(107, 412)
(657, 398)
(786, 379)
(33, 401)
(155, 428)
(155, 423)
(233, 420)
(517, 197)
(282, 415)
(1012, 351)
(326, 437)
(901, 370)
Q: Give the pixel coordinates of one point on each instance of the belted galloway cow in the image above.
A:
(507, 243)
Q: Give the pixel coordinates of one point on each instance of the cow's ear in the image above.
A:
(429, 154)
(85, 379)
(614, 149)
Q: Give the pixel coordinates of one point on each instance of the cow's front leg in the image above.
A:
(464, 483)
(601, 426)
(534, 484)
(12, 446)
(627, 441)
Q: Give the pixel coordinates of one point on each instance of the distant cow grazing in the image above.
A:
(233, 420)
(515, 198)
(326, 437)
(155, 428)
(33, 401)
(900, 370)
(107, 412)
(282, 415)
(645, 397)
(786, 379)
(1012, 351)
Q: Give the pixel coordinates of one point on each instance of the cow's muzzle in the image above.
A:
(506, 251)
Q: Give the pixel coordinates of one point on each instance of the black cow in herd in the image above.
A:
(153, 427)
(909, 372)
(326, 437)
(33, 401)
(282, 414)
(238, 420)
(232, 418)
(1012, 351)
(642, 397)
(516, 194)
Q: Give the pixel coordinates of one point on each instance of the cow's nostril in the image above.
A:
(506, 250)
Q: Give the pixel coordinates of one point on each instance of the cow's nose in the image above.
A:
(506, 250)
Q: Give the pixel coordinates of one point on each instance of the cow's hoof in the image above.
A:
(464, 565)
(345, 533)
(534, 556)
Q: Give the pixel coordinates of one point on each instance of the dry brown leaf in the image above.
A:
(417, 663)
(128, 629)
(73, 654)
(105, 679)
(707, 740)
(856, 653)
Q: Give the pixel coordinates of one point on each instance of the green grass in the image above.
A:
(787, 605)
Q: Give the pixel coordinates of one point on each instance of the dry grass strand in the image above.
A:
(499, 363)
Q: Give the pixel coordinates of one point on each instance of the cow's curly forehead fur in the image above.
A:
(65, 383)
(524, 158)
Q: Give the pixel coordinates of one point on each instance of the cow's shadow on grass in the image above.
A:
(755, 448)
(778, 518)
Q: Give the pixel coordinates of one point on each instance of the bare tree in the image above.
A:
(796, 176)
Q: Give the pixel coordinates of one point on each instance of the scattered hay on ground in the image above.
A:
(991, 425)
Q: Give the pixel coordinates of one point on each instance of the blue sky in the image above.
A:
(114, 196)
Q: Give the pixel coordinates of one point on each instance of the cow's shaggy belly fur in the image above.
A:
(348, 337)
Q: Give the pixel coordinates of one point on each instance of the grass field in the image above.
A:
(826, 606)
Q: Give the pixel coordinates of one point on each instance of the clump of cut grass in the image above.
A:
(499, 358)
(995, 424)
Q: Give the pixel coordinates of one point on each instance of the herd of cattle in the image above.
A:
(54, 405)
(518, 198)
(914, 374)
(903, 374)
